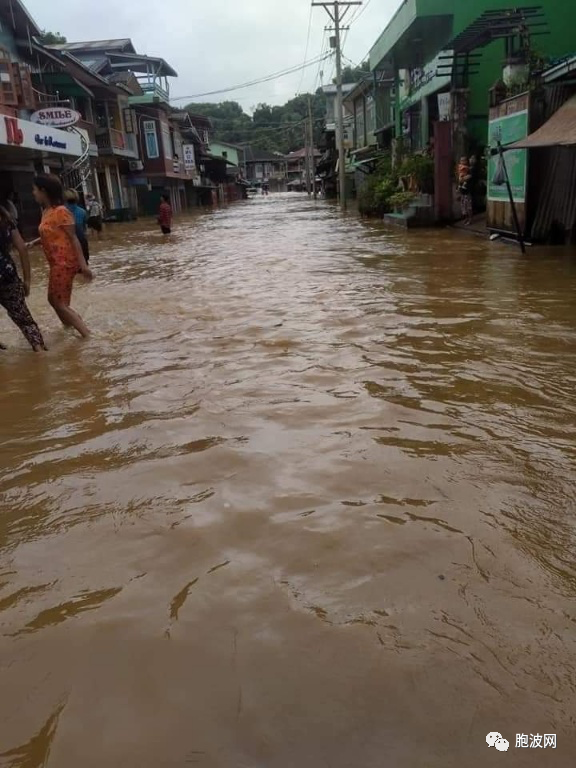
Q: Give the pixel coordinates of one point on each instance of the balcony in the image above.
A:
(152, 92)
(112, 142)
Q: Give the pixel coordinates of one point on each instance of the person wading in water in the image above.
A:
(81, 219)
(165, 215)
(62, 249)
(13, 290)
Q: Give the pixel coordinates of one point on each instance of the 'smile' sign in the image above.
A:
(57, 116)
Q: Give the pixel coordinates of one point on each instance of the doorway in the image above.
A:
(103, 184)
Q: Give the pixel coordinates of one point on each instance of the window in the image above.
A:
(167, 142)
(22, 81)
(370, 116)
(177, 145)
(225, 155)
(360, 123)
(129, 120)
(7, 84)
(151, 139)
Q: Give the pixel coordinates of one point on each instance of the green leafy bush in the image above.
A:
(421, 169)
(382, 191)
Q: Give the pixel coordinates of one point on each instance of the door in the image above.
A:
(103, 184)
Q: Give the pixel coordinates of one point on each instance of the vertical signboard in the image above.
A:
(189, 159)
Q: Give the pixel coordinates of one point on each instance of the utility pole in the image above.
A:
(337, 11)
(312, 158)
(307, 157)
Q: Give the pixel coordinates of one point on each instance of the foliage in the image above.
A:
(278, 128)
(355, 74)
(401, 200)
(383, 191)
(420, 169)
(229, 119)
(374, 195)
(52, 38)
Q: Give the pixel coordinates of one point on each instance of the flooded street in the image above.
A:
(306, 498)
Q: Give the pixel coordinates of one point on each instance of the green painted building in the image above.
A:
(435, 47)
(230, 152)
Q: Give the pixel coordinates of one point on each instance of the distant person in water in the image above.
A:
(80, 219)
(62, 249)
(165, 215)
(95, 216)
(13, 289)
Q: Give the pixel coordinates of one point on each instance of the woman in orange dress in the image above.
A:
(62, 249)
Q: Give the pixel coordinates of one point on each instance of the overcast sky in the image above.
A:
(216, 44)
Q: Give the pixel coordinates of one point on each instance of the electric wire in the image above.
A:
(267, 79)
(307, 46)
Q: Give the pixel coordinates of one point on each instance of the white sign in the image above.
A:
(444, 107)
(57, 116)
(26, 135)
(189, 158)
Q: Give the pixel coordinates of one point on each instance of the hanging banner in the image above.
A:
(444, 107)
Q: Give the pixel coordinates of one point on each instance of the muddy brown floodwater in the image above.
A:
(306, 499)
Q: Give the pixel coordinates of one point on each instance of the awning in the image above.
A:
(559, 131)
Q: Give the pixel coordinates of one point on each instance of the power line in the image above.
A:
(249, 84)
(359, 11)
(307, 46)
(320, 73)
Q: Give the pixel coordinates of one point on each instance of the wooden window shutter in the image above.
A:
(8, 93)
(27, 90)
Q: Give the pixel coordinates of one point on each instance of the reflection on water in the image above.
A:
(305, 498)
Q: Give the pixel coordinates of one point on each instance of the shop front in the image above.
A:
(26, 149)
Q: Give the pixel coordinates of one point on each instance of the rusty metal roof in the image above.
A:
(558, 131)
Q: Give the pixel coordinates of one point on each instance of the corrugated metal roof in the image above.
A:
(118, 44)
(558, 131)
(563, 68)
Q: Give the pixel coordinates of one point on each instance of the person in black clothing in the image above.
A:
(13, 290)
(473, 183)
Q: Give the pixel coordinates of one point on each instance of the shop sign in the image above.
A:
(14, 134)
(189, 159)
(59, 117)
(423, 81)
(27, 135)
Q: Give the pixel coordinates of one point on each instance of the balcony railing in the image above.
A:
(150, 90)
(116, 142)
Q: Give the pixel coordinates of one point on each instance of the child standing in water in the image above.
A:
(62, 249)
(165, 215)
(13, 290)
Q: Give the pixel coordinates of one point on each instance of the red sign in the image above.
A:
(14, 134)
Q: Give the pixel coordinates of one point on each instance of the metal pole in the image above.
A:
(306, 159)
(339, 109)
(312, 160)
(512, 203)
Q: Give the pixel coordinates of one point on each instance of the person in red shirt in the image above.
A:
(165, 215)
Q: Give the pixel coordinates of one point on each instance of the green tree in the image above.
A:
(230, 121)
(355, 74)
(276, 128)
(52, 38)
